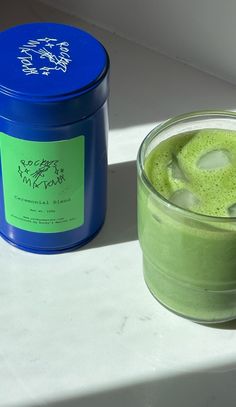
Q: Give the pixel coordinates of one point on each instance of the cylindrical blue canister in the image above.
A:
(53, 136)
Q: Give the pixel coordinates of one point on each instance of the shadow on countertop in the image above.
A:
(212, 387)
(228, 325)
(121, 219)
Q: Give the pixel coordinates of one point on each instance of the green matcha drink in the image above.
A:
(187, 215)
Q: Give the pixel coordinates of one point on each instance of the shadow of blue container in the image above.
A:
(54, 84)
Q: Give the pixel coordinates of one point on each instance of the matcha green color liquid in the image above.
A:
(187, 229)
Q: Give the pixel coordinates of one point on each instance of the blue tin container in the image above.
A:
(53, 136)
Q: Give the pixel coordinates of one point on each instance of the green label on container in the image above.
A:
(43, 183)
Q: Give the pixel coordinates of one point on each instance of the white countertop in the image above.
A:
(81, 329)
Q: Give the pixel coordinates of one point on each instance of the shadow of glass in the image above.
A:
(230, 325)
(206, 388)
(120, 224)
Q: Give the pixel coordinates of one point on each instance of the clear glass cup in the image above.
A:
(189, 259)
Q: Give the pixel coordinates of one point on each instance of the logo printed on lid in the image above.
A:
(43, 56)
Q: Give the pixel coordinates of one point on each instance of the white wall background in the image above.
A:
(201, 33)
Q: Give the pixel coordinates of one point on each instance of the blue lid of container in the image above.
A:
(49, 63)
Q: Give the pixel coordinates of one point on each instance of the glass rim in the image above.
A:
(223, 114)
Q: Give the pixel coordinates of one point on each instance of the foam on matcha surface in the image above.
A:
(197, 170)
